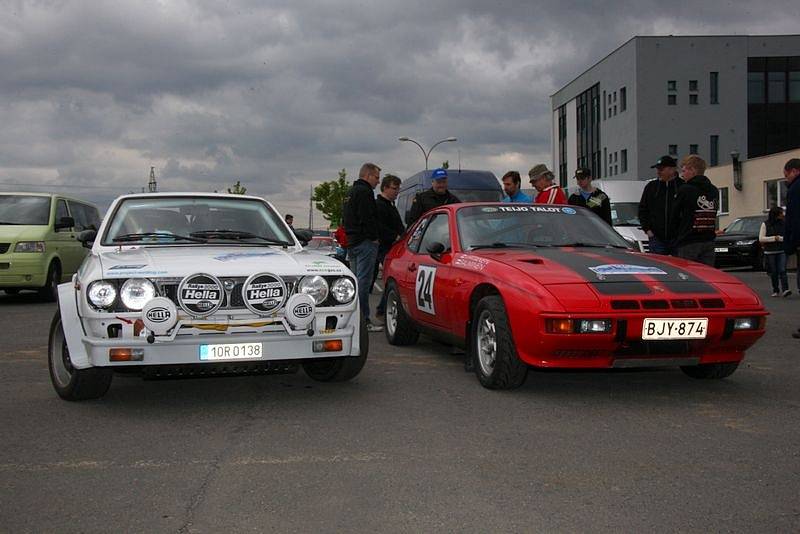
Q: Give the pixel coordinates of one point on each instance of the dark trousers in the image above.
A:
(362, 262)
(657, 246)
(776, 265)
(702, 251)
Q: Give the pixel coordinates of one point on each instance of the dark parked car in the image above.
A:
(738, 245)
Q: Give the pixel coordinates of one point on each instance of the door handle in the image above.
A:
(412, 267)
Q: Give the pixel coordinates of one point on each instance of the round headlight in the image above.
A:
(343, 290)
(136, 292)
(102, 294)
(314, 286)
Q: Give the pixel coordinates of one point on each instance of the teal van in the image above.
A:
(38, 240)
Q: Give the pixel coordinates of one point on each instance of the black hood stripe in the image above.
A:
(677, 280)
(579, 263)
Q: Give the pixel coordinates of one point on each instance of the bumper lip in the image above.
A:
(185, 349)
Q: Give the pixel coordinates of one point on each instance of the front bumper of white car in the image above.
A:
(91, 344)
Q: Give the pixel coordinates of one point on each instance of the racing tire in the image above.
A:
(399, 328)
(494, 356)
(343, 368)
(49, 291)
(710, 370)
(73, 384)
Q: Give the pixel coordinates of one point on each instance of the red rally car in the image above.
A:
(522, 285)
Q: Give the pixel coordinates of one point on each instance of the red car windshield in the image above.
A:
(531, 225)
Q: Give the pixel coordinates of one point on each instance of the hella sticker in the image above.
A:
(158, 315)
(264, 293)
(200, 294)
(302, 310)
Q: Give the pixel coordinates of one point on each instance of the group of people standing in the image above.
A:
(542, 180)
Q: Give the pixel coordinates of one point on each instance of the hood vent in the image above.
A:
(533, 261)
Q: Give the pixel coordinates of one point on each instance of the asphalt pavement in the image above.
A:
(413, 444)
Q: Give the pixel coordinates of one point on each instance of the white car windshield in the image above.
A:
(187, 220)
(523, 225)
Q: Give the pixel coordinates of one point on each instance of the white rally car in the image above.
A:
(182, 284)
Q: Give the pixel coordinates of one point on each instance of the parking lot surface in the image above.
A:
(412, 444)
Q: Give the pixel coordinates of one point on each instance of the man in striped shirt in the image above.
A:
(543, 180)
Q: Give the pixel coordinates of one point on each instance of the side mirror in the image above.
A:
(304, 236)
(87, 238)
(64, 222)
(436, 249)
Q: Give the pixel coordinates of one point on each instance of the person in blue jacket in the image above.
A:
(512, 183)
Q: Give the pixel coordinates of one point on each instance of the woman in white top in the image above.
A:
(771, 238)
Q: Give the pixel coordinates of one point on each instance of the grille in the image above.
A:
(676, 304)
(653, 348)
(4, 247)
(645, 246)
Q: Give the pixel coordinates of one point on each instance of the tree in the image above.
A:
(329, 198)
(446, 164)
(237, 189)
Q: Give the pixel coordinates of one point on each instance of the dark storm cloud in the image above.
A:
(281, 95)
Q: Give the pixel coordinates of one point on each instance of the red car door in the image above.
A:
(430, 281)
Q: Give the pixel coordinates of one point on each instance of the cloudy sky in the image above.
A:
(281, 95)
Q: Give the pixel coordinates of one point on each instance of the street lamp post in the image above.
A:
(428, 153)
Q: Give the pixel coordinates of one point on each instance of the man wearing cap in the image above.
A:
(656, 206)
(512, 183)
(436, 196)
(542, 179)
(589, 196)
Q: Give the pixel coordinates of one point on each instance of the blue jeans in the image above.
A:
(362, 262)
(776, 265)
(661, 247)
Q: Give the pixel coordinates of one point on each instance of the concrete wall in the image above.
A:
(683, 59)
(751, 200)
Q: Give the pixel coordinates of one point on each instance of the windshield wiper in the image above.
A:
(138, 236)
(579, 244)
(238, 235)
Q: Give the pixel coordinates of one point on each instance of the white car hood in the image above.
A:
(167, 261)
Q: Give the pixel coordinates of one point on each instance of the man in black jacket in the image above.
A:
(655, 207)
(361, 226)
(696, 213)
(589, 196)
(390, 226)
(436, 196)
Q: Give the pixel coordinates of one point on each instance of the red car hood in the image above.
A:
(619, 273)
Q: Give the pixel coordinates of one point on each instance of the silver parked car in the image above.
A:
(200, 284)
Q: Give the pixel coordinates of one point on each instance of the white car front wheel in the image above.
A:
(70, 383)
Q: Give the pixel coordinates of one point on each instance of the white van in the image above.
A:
(625, 196)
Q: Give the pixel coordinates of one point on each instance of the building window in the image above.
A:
(672, 100)
(693, 149)
(794, 86)
(623, 99)
(624, 158)
(692, 100)
(604, 107)
(672, 85)
(776, 87)
(723, 201)
(588, 116)
(714, 151)
(775, 193)
(605, 161)
(713, 88)
(673, 150)
(693, 85)
(615, 109)
(773, 110)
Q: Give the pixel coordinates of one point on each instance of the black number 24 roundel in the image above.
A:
(426, 276)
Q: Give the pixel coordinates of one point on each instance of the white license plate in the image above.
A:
(674, 329)
(231, 351)
(720, 249)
